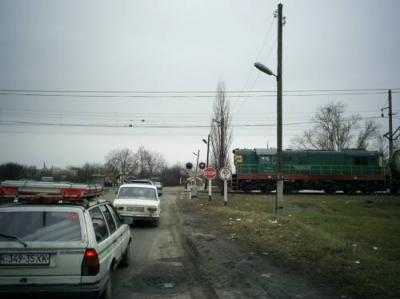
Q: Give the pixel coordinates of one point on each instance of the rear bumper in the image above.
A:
(55, 291)
(146, 218)
(138, 217)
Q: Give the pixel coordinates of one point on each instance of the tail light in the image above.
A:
(90, 263)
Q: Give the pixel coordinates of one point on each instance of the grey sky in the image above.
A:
(181, 46)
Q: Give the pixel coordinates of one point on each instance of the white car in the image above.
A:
(61, 248)
(139, 202)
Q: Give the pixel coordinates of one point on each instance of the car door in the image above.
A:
(104, 243)
(123, 231)
(114, 235)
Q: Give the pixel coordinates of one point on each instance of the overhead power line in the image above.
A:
(186, 91)
(151, 126)
(188, 96)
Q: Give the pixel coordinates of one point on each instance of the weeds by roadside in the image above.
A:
(351, 241)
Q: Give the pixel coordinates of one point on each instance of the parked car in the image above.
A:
(159, 187)
(139, 202)
(61, 248)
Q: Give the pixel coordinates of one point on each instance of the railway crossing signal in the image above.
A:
(225, 174)
(210, 173)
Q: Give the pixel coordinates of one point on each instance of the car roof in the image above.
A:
(139, 185)
(24, 206)
(144, 181)
(72, 205)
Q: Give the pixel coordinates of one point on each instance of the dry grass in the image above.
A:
(353, 242)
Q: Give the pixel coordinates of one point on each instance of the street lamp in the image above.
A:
(264, 69)
(279, 176)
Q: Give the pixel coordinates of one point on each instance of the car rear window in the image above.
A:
(137, 192)
(40, 226)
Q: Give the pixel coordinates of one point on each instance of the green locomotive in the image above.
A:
(350, 171)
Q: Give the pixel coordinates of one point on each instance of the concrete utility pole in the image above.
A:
(390, 123)
(279, 174)
(266, 70)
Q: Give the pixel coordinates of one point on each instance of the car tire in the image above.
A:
(126, 257)
(156, 222)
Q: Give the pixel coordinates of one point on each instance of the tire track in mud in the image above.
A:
(163, 264)
(192, 257)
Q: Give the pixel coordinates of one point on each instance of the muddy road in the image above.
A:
(161, 266)
(184, 257)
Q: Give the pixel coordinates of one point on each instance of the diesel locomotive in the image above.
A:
(352, 171)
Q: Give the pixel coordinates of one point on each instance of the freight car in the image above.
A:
(351, 171)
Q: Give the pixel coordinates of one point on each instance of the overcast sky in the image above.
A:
(181, 46)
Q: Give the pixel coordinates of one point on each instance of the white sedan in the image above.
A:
(138, 201)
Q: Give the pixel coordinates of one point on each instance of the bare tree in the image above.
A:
(369, 132)
(149, 163)
(334, 131)
(221, 132)
(120, 163)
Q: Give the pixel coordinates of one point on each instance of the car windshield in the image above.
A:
(40, 226)
(137, 192)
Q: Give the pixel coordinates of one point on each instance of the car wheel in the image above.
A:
(107, 294)
(126, 257)
(156, 222)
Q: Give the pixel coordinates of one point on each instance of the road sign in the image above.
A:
(210, 173)
(225, 173)
(202, 165)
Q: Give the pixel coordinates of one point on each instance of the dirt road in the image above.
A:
(187, 258)
(161, 266)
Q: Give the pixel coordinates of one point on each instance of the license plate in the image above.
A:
(136, 209)
(24, 259)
